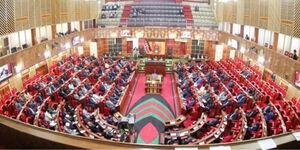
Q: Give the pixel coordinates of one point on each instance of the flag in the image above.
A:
(147, 47)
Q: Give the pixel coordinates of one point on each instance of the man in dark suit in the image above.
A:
(254, 127)
(214, 121)
(252, 113)
(269, 116)
(234, 115)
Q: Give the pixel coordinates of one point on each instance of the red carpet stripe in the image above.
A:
(153, 103)
(139, 90)
(167, 91)
(151, 110)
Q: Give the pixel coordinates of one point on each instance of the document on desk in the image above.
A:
(267, 144)
(184, 133)
(297, 135)
(173, 134)
(188, 148)
(220, 148)
(172, 122)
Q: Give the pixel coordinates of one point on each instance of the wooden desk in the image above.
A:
(158, 67)
(175, 122)
(157, 56)
(153, 84)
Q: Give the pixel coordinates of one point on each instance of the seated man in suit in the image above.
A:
(49, 78)
(110, 105)
(94, 127)
(198, 82)
(209, 106)
(253, 127)
(267, 109)
(253, 113)
(184, 84)
(240, 96)
(87, 86)
(234, 115)
(31, 111)
(76, 97)
(107, 134)
(32, 105)
(77, 80)
(37, 87)
(223, 77)
(223, 96)
(227, 103)
(214, 121)
(18, 106)
(71, 86)
(269, 116)
(110, 120)
(242, 100)
(216, 86)
(186, 93)
(43, 84)
(122, 82)
(190, 104)
(85, 113)
(69, 128)
(39, 99)
(230, 84)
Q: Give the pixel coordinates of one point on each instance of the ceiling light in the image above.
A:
(47, 54)
(18, 68)
(67, 45)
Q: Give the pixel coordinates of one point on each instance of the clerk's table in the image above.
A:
(155, 66)
(153, 83)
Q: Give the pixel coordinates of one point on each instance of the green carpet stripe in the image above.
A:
(155, 141)
(149, 107)
(150, 114)
(140, 140)
(152, 99)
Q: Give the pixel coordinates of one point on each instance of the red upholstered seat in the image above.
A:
(106, 111)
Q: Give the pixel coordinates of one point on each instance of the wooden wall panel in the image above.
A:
(240, 10)
(280, 16)
(287, 17)
(209, 49)
(219, 12)
(17, 15)
(274, 16)
(263, 14)
(124, 47)
(7, 13)
(273, 60)
(297, 19)
(254, 12)
(247, 17)
(36, 53)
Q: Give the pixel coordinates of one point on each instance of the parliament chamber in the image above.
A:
(149, 74)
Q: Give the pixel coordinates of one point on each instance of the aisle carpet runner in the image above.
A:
(151, 113)
(151, 110)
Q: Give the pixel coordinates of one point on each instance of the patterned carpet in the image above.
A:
(151, 110)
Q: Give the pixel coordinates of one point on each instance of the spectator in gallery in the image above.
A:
(295, 56)
(247, 37)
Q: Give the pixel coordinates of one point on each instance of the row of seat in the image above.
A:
(286, 117)
(58, 112)
(203, 15)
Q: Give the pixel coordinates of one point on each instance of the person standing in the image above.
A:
(295, 56)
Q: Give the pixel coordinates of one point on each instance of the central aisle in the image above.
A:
(151, 110)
